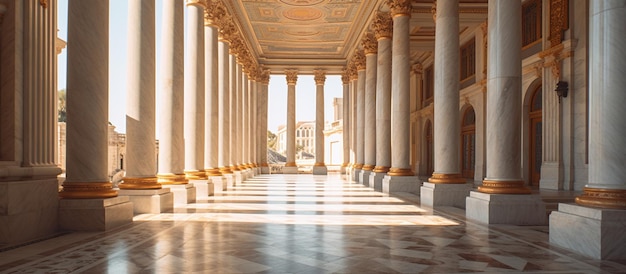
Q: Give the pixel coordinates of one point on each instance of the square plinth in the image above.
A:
(393, 184)
(95, 214)
(183, 194)
(320, 170)
(376, 180)
(204, 188)
(364, 177)
(444, 194)
(153, 201)
(513, 209)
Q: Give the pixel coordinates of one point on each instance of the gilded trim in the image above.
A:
(195, 175)
(603, 198)
(381, 169)
(225, 170)
(140, 183)
(319, 164)
(291, 164)
(172, 179)
(503, 187)
(357, 166)
(440, 178)
(95, 190)
(394, 171)
(211, 172)
(368, 167)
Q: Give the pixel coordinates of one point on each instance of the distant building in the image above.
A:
(305, 139)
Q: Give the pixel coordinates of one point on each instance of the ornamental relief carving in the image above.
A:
(359, 60)
(292, 76)
(345, 76)
(399, 7)
(558, 20)
(320, 76)
(369, 43)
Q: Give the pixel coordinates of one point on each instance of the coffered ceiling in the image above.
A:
(311, 34)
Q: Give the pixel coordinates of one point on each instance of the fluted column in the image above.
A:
(384, 31)
(345, 79)
(504, 101)
(292, 77)
(360, 111)
(607, 145)
(320, 167)
(262, 121)
(370, 47)
(171, 142)
(400, 82)
(238, 114)
(234, 140)
(223, 48)
(211, 93)
(194, 92)
(353, 111)
(252, 133)
(87, 101)
(245, 142)
(140, 107)
(446, 95)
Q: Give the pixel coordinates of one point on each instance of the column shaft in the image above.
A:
(234, 138)
(262, 120)
(607, 145)
(224, 107)
(446, 95)
(140, 107)
(291, 118)
(353, 118)
(194, 92)
(211, 102)
(245, 142)
(360, 119)
(346, 120)
(369, 112)
(320, 78)
(87, 101)
(400, 99)
(504, 101)
(383, 106)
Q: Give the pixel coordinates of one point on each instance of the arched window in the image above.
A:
(429, 148)
(535, 122)
(468, 143)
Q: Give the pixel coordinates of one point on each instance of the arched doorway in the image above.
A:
(429, 148)
(468, 143)
(535, 122)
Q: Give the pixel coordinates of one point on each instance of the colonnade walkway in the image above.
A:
(303, 224)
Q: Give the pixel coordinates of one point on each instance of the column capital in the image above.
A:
(264, 76)
(417, 68)
(292, 76)
(213, 11)
(383, 25)
(345, 76)
(320, 76)
(227, 30)
(369, 43)
(194, 3)
(359, 60)
(399, 7)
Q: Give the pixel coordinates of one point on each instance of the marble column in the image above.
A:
(171, 140)
(262, 121)
(252, 104)
(446, 187)
(493, 202)
(243, 110)
(290, 166)
(194, 92)
(224, 142)
(594, 226)
(383, 30)
(370, 47)
(140, 183)
(400, 177)
(345, 79)
(360, 114)
(353, 125)
(211, 93)
(87, 195)
(211, 106)
(320, 167)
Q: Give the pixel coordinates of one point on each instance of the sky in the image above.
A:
(277, 95)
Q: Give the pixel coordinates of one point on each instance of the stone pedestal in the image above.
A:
(183, 194)
(238, 177)
(320, 170)
(228, 181)
(364, 177)
(444, 194)
(153, 201)
(355, 174)
(593, 232)
(376, 180)
(290, 170)
(94, 214)
(393, 184)
(204, 188)
(343, 170)
(31, 214)
(265, 170)
(218, 183)
(505, 209)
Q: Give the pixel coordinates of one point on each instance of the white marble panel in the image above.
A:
(393, 184)
(183, 194)
(94, 214)
(593, 232)
(505, 209)
(153, 201)
(444, 194)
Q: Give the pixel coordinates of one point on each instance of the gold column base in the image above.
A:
(345, 165)
(212, 172)
(394, 171)
(291, 164)
(95, 190)
(225, 170)
(602, 198)
(235, 168)
(381, 169)
(140, 183)
(172, 179)
(254, 165)
(503, 187)
(357, 166)
(264, 165)
(319, 164)
(441, 178)
(195, 175)
(368, 167)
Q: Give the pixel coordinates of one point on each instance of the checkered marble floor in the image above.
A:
(303, 224)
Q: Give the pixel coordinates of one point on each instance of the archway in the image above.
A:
(536, 134)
